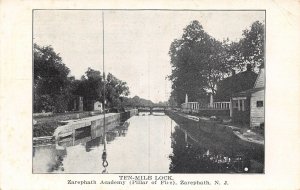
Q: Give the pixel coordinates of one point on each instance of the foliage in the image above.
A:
(115, 89)
(199, 62)
(91, 88)
(51, 81)
(137, 101)
(250, 49)
(54, 90)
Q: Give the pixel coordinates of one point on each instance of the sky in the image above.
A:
(136, 43)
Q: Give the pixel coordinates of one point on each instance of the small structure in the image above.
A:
(98, 106)
(257, 113)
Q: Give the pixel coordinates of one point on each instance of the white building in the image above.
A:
(98, 106)
(257, 103)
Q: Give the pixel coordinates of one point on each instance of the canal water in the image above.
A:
(144, 144)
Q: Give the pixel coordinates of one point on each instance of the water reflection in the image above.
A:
(191, 157)
(146, 144)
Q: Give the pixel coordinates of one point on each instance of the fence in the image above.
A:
(195, 107)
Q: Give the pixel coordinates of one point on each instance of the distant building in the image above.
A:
(98, 106)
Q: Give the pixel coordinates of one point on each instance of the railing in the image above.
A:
(221, 105)
(195, 106)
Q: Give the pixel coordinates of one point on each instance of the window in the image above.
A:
(259, 104)
(242, 105)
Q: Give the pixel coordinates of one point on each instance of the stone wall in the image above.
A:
(96, 124)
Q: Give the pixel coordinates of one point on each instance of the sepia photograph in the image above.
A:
(145, 91)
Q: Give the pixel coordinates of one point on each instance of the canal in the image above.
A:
(150, 144)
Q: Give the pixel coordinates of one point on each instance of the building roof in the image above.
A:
(260, 81)
(247, 92)
(240, 82)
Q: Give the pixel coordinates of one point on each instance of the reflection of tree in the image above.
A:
(110, 136)
(188, 157)
(219, 139)
(184, 158)
(57, 165)
(93, 143)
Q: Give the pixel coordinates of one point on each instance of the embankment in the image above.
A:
(45, 126)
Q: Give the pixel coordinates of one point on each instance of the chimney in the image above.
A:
(249, 67)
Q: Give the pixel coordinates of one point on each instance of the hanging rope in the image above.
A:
(104, 154)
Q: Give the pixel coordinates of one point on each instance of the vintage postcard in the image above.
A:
(150, 95)
(141, 97)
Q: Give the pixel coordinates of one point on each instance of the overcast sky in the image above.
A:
(136, 43)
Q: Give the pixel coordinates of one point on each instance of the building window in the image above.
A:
(259, 104)
(242, 105)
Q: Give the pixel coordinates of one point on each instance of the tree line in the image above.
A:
(137, 102)
(199, 61)
(54, 90)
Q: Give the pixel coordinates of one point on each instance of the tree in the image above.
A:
(198, 63)
(137, 101)
(91, 88)
(250, 49)
(115, 89)
(51, 81)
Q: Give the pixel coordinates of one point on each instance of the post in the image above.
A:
(186, 98)
(211, 101)
(73, 140)
(230, 108)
